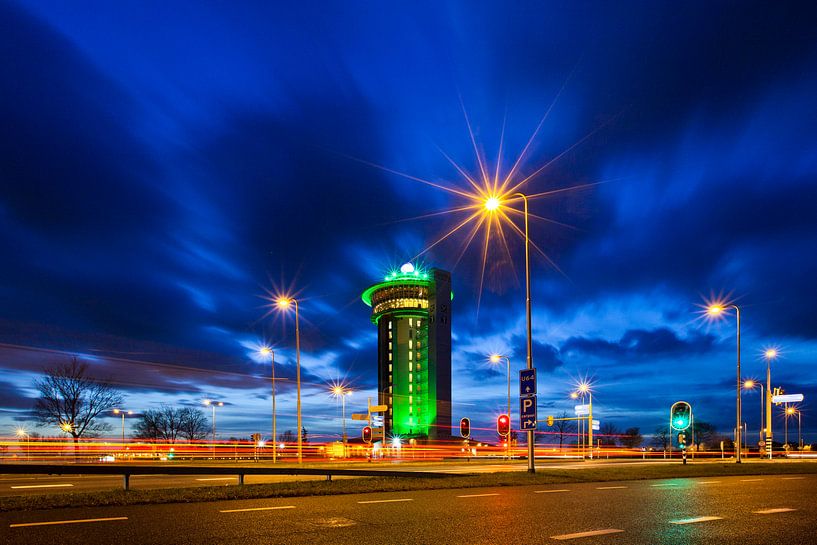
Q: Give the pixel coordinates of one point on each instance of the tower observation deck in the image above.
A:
(412, 311)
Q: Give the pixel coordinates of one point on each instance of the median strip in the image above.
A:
(694, 520)
(587, 534)
(53, 522)
(274, 508)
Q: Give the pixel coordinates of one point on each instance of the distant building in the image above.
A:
(412, 311)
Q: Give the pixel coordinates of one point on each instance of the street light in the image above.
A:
(21, 432)
(284, 303)
(264, 352)
(770, 354)
(496, 358)
(717, 310)
(584, 388)
(341, 391)
(492, 204)
(213, 404)
(122, 412)
(750, 384)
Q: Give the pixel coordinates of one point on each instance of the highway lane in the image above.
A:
(723, 510)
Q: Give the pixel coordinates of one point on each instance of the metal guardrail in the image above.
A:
(127, 470)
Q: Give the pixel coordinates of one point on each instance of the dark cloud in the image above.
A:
(640, 344)
(156, 178)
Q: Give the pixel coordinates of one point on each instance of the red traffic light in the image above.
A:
(503, 425)
(465, 428)
(367, 434)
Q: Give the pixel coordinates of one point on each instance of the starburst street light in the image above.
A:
(716, 309)
(341, 391)
(284, 303)
(267, 353)
(769, 353)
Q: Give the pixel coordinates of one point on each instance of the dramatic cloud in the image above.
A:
(159, 177)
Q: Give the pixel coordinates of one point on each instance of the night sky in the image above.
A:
(166, 165)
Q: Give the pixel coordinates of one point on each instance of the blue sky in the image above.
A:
(164, 164)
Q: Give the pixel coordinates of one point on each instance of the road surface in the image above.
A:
(723, 510)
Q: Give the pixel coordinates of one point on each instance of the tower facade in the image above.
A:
(412, 311)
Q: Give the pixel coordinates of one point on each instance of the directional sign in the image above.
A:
(527, 413)
(788, 398)
(378, 408)
(527, 382)
(582, 410)
(596, 425)
(360, 416)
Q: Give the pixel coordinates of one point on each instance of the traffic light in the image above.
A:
(550, 420)
(503, 425)
(682, 440)
(465, 428)
(367, 434)
(680, 415)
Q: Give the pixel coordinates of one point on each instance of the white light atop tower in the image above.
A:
(407, 268)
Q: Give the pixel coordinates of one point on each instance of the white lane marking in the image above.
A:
(43, 486)
(609, 487)
(708, 482)
(477, 495)
(750, 480)
(773, 511)
(793, 478)
(550, 491)
(665, 484)
(386, 501)
(217, 479)
(78, 521)
(258, 509)
(587, 534)
(694, 520)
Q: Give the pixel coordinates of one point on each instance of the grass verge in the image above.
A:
(543, 476)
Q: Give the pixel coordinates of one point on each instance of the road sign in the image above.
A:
(788, 398)
(596, 425)
(378, 408)
(527, 382)
(360, 416)
(527, 413)
(582, 410)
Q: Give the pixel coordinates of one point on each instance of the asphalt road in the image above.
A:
(18, 485)
(723, 510)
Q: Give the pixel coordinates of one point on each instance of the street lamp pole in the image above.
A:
(770, 353)
(212, 405)
(264, 352)
(284, 303)
(717, 310)
(531, 449)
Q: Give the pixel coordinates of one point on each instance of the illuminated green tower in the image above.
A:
(412, 311)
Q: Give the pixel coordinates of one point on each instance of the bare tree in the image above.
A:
(193, 424)
(608, 434)
(662, 438)
(632, 438)
(163, 423)
(71, 399)
(562, 427)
